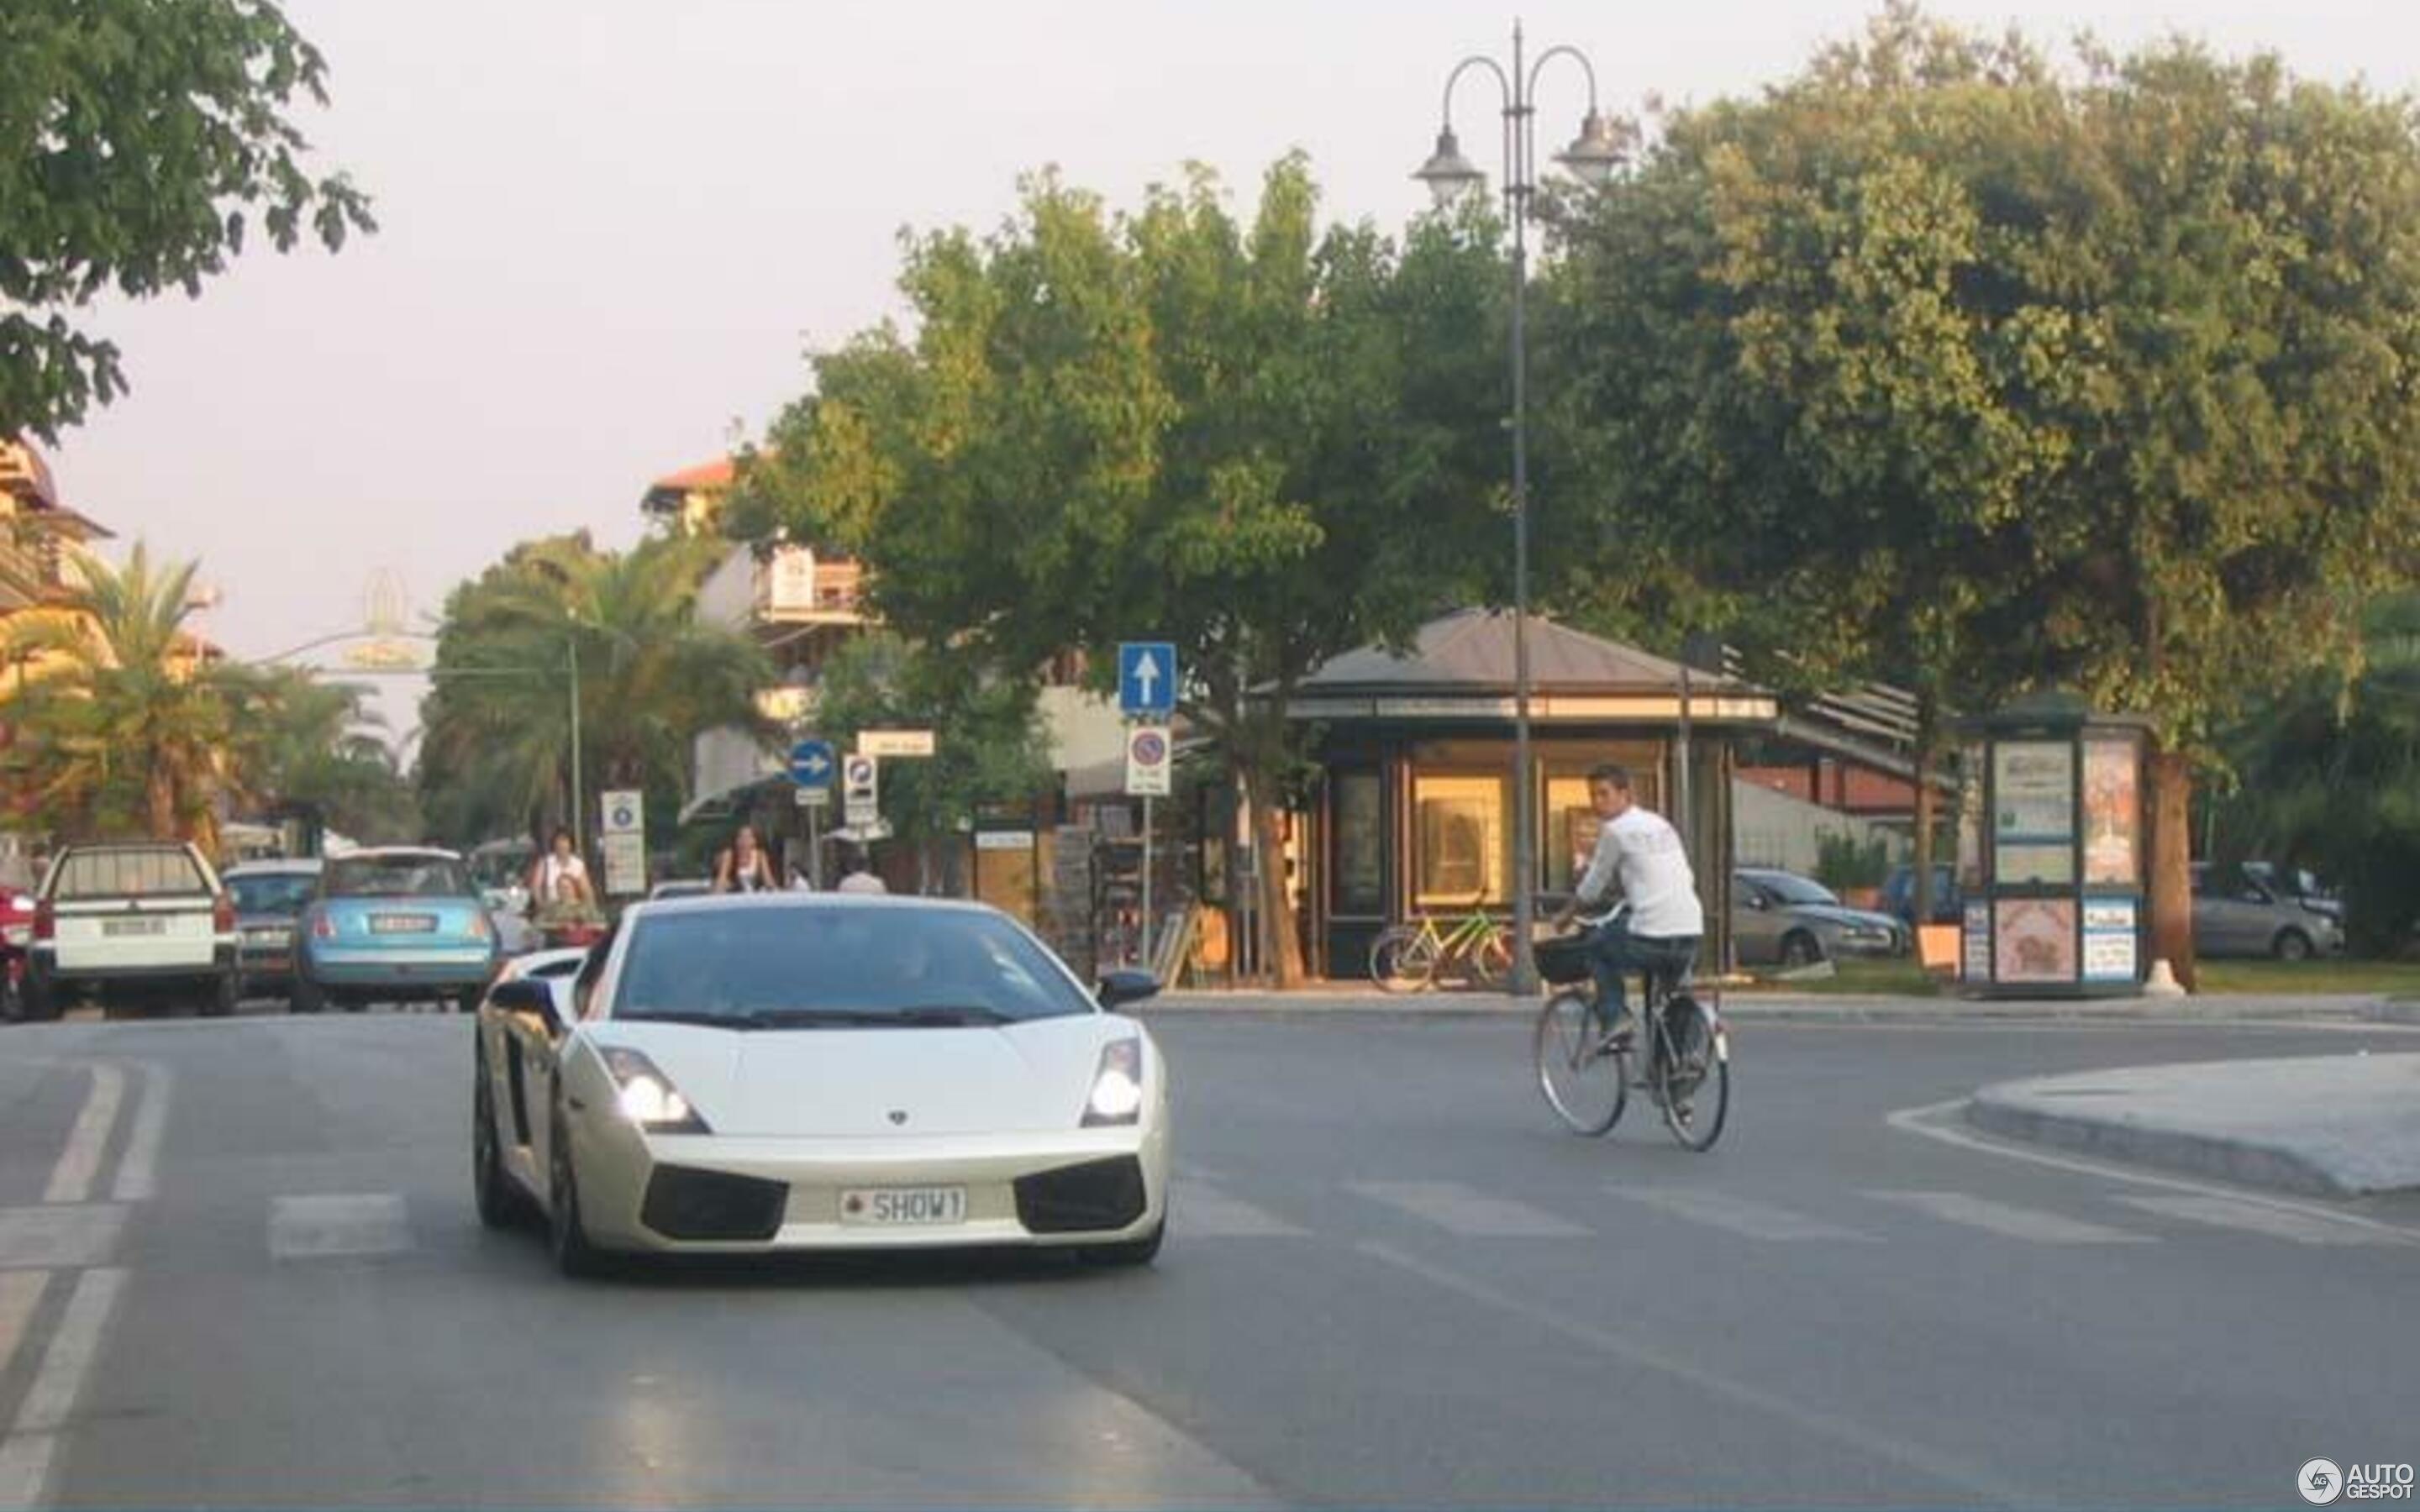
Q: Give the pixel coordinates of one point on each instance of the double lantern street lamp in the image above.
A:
(1592, 157)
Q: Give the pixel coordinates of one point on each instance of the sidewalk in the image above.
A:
(2330, 1125)
(1782, 1007)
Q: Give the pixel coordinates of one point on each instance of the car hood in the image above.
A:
(841, 1084)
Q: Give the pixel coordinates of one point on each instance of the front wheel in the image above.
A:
(567, 1237)
(1402, 958)
(1491, 960)
(2292, 945)
(498, 1203)
(1696, 1075)
(1800, 950)
(307, 996)
(1585, 1081)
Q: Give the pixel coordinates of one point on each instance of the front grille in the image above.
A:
(712, 1205)
(1099, 1194)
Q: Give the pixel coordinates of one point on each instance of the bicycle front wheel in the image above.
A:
(1402, 958)
(1696, 1075)
(1491, 960)
(1585, 1083)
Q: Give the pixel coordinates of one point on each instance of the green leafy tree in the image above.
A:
(496, 747)
(140, 143)
(1940, 363)
(123, 727)
(1261, 442)
(988, 746)
(301, 742)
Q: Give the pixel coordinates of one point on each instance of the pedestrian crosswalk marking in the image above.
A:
(1744, 1216)
(328, 1227)
(1200, 1210)
(61, 1238)
(2009, 1221)
(2258, 1218)
(1463, 1210)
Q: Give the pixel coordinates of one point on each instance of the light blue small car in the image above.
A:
(394, 925)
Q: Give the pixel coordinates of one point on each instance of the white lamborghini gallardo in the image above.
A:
(814, 1072)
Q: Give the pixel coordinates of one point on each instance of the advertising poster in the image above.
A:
(2049, 866)
(2032, 790)
(1978, 964)
(2111, 812)
(2109, 951)
(2034, 940)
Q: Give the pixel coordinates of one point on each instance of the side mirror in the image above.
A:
(1121, 987)
(1757, 901)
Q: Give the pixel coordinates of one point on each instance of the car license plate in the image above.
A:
(117, 926)
(904, 1207)
(403, 923)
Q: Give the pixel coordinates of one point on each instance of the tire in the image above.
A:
(1403, 960)
(1133, 1252)
(1490, 962)
(467, 1001)
(12, 1001)
(2291, 945)
(225, 992)
(1798, 949)
(500, 1204)
(1585, 1086)
(39, 1002)
(1696, 1094)
(307, 998)
(566, 1239)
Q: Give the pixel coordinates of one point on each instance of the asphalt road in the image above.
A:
(238, 1266)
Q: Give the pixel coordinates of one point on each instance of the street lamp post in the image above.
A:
(1592, 157)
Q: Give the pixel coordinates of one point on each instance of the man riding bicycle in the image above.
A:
(1639, 854)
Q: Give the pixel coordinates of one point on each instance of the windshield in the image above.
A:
(752, 968)
(129, 873)
(398, 876)
(1795, 889)
(280, 893)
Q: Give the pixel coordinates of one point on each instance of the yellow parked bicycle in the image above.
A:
(1410, 957)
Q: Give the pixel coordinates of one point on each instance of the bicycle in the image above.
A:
(1408, 958)
(1584, 1065)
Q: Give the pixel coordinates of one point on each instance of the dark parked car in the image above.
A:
(268, 897)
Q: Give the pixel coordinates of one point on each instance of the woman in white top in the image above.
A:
(560, 875)
(744, 867)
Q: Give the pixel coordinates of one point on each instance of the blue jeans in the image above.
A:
(1614, 951)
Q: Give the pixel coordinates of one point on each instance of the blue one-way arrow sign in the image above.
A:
(1146, 677)
(812, 763)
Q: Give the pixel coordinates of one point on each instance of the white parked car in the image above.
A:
(780, 1071)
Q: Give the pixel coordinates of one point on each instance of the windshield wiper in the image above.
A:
(710, 1020)
(821, 1018)
(952, 1018)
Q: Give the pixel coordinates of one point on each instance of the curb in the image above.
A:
(2254, 1163)
(1757, 1008)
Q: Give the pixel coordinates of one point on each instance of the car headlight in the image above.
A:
(1117, 1087)
(647, 1097)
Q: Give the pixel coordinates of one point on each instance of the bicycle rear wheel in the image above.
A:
(1694, 1075)
(1585, 1084)
(1402, 958)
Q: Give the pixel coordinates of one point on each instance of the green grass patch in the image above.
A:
(1900, 977)
(2394, 979)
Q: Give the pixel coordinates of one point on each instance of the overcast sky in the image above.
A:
(611, 230)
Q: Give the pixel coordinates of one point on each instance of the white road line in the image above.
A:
(138, 1170)
(1924, 1121)
(1202, 1211)
(26, 1457)
(1972, 1480)
(2255, 1217)
(1744, 1216)
(20, 1292)
(331, 1228)
(71, 1179)
(60, 1236)
(1463, 1210)
(2008, 1220)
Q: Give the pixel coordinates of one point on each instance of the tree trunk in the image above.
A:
(1280, 949)
(160, 797)
(2172, 936)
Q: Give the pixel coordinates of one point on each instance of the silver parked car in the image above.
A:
(2237, 911)
(1782, 918)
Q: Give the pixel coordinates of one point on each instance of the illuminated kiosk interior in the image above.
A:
(2053, 852)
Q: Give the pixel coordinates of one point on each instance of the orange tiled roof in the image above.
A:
(714, 474)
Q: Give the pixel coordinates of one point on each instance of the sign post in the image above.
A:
(626, 843)
(860, 790)
(1147, 778)
(811, 765)
(1147, 692)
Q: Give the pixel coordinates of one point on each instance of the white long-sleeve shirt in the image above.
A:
(1642, 852)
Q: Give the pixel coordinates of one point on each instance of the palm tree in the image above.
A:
(127, 721)
(652, 678)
